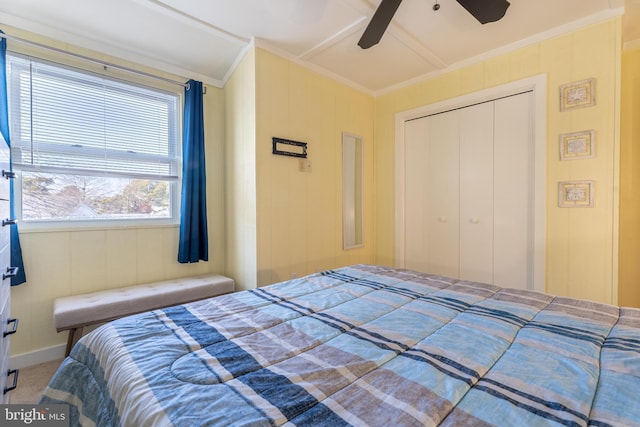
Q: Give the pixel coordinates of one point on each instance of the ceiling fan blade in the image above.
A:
(486, 10)
(379, 23)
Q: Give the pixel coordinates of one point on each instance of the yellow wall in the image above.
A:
(282, 222)
(630, 180)
(71, 261)
(240, 160)
(300, 213)
(581, 243)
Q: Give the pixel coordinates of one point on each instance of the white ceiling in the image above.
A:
(204, 39)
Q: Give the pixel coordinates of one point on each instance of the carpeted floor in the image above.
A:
(32, 381)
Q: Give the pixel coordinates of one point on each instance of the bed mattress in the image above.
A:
(362, 345)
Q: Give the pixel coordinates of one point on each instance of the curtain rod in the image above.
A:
(95, 61)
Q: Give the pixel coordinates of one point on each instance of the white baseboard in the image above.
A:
(44, 355)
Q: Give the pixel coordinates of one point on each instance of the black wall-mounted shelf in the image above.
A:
(286, 147)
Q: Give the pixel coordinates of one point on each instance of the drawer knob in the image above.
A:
(13, 372)
(12, 331)
(11, 272)
(8, 174)
(8, 221)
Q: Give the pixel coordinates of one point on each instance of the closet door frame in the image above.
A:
(538, 86)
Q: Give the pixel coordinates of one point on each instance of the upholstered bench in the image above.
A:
(75, 312)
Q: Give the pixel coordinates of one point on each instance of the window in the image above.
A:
(89, 147)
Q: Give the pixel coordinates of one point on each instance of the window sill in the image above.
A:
(27, 228)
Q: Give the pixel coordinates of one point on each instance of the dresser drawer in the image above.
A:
(4, 351)
(8, 378)
(5, 223)
(4, 171)
(6, 328)
(5, 284)
(4, 370)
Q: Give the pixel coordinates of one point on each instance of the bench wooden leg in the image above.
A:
(74, 335)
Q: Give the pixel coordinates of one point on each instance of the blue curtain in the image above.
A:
(16, 250)
(193, 245)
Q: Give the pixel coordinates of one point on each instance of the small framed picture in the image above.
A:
(577, 95)
(575, 194)
(577, 145)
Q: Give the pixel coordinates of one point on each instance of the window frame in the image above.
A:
(174, 185)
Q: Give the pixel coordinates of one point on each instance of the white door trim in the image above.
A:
(536, 84)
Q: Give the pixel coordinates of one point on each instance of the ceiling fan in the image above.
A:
(483, 10)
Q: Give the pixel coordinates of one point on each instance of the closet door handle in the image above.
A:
(13, 372)
(15, 327)
(11, 272)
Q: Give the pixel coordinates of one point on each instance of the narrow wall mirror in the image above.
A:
(352, 176)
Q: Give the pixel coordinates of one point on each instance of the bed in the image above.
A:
(362, 345)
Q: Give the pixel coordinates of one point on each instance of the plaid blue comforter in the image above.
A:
(363, 346)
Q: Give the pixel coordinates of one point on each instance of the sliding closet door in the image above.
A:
(513, 194)
(443, 207)
(417, 252)
(432, 181)
(476, 192)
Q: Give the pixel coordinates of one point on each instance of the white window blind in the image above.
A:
(68, 121)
